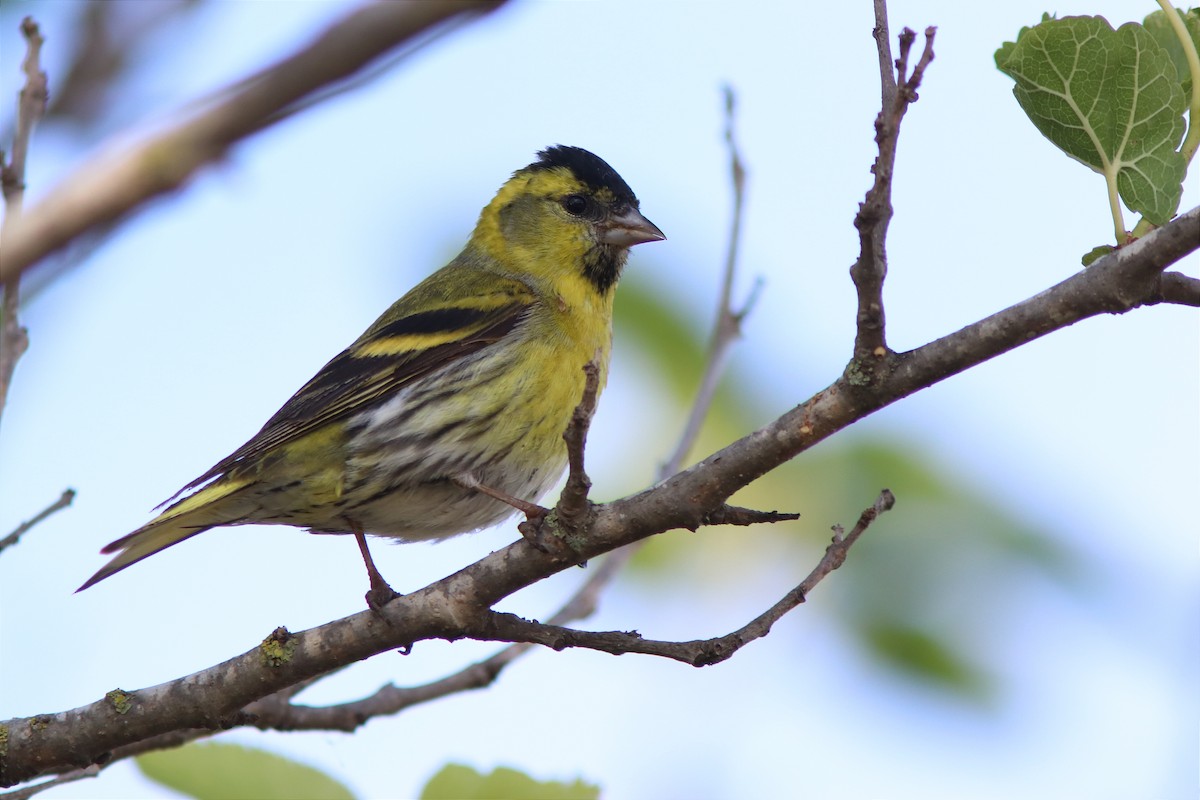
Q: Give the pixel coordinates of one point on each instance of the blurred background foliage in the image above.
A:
(894, 605)
(944, 548)
(926, 596)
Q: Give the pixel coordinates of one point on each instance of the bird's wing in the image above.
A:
(398, 349)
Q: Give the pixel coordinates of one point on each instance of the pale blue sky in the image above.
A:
(180, 336)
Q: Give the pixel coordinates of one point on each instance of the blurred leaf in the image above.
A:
(216, 771)
(460, 782)
(941, 505)
(1160, 28)
(916, 653)
(1109, 99)
(914, 589)
(946, 547)
(663, 332)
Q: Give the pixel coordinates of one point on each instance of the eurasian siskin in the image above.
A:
(458, 394)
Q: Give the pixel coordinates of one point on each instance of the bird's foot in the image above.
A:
(544, 535)
(380, 595)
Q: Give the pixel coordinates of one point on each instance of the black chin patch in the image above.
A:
(602, 266)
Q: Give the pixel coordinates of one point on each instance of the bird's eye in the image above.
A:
(575, 204)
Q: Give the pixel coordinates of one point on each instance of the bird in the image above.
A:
(447, 414)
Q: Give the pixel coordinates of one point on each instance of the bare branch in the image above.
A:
(573, 502)
(875, 213)
(276, 712)
(458, 605)
(728, 325)
(736, 515)
(105, 37)
(1178, 288)
(117, 182)
(700, 652)
(555, 531)
(62, 502)
(447, 609)
(25, 792)
(883, 45)
(31, 104)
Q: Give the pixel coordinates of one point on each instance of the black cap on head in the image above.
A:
(587, 167)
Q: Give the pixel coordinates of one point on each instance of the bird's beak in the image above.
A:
(630, 228)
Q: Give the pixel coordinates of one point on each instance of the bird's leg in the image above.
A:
(532, 511)
(381, 593)
(532, 528)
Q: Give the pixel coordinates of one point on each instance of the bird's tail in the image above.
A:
(193, 514)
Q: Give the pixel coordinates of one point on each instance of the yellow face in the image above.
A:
(567, 221)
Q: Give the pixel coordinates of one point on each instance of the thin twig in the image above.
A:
(31, 104)
(883, 46)
(736, 515)
(700, 652)
(276, 712)
(573, 502)
(118, 181)
(728, 325)
(61, 741)
(875, 212)
(1180, 289)
(62, 502)
(26, 792)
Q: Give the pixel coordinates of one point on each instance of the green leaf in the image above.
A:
(920, 655)
(1096, 253)
(215, 771)
(1160, 28)
(460, 782)
(1109, 99)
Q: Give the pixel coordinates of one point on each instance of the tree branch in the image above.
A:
(736, 515)
(573, 502)
(697, 653)
(459, 604)
(31, 104)
(449, 608)
(114, 183)
(1179, 289)
(727, 327)
(62, 502)
(883, 46)
(25, 792)
(875, 213)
